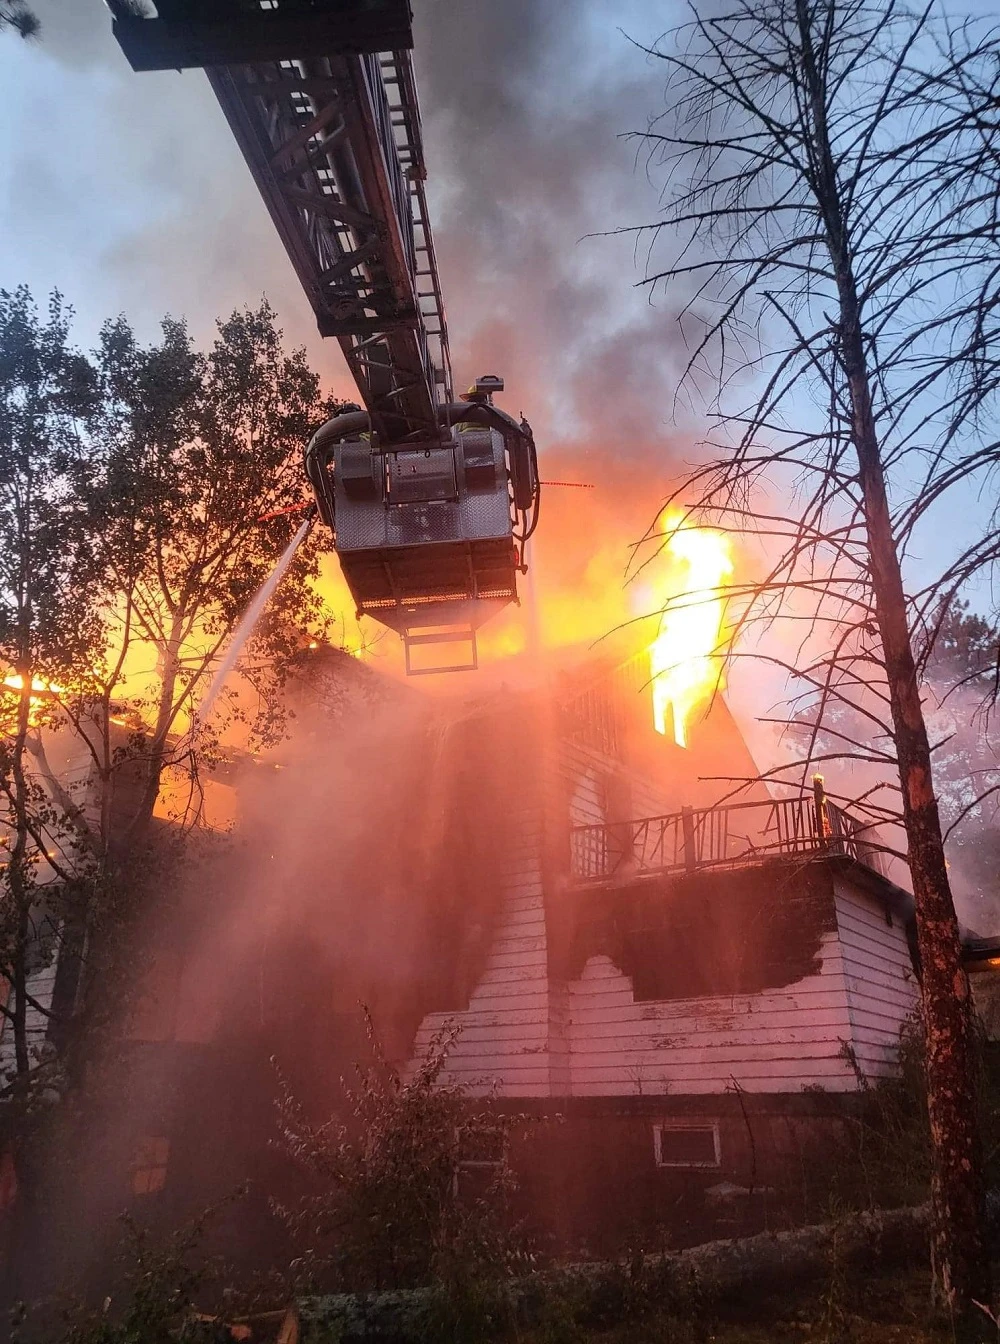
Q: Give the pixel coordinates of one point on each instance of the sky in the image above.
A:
(127, 193)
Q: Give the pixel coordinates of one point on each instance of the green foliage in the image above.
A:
(154, 1306)
(197, 452)
(887, 1162)
(386, 1207)
(133, 487)
(51, 628)
(964, 648)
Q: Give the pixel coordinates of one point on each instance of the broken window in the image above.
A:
(686, 1144)
(149, 1165)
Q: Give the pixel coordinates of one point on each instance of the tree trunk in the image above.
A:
(958, 1255)
(157, 744)
(21, 892)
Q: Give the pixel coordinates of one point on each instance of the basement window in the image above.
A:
(481, 1158)
(149, 1165)
(683, 1143)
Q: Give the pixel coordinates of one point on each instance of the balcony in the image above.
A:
(735, 835)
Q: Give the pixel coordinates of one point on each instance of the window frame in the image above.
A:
(686, 1126)
(149, 1169)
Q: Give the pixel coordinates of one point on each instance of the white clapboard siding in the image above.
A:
(503, 1047)
(40, 987)
(521, 1036)
(882, 989)
(587, 795)
(777, 1041)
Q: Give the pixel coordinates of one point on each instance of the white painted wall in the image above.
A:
(504, 1045)
(882, 989)
(777, 1041)
(524, 1037)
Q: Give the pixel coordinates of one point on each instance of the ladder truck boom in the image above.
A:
(431, 501)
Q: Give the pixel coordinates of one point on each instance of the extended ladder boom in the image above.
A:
(330, 128)
(430, 502)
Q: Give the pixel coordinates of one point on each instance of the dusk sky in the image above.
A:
(128, 194)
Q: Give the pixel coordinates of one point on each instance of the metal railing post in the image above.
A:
(687, 828)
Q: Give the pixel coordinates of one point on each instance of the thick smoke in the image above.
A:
(524, 108)
(523, 104)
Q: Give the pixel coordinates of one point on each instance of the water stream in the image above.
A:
(252, 615)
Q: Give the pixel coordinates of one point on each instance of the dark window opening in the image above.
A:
(480, 1163)
(149, 1165)
(686, 1145)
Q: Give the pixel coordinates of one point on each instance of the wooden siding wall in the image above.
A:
(524, 1036)
(504, 1045)
(882, 989)
(40, 987)
(779, 1041)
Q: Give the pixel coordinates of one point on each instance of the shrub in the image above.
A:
(387, 1206)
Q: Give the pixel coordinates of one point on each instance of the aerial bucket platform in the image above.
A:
(430, 499)
(430, 535)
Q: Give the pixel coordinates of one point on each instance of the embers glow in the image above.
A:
(685, 663)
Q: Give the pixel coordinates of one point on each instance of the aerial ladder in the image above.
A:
(430, 499)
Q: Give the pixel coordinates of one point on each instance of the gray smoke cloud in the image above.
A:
(130, 194)
(525, 105)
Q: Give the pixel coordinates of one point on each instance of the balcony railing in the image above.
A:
(730, 836)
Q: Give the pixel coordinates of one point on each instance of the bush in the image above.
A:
(388, 1204)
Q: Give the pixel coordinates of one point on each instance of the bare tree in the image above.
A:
(836, 255)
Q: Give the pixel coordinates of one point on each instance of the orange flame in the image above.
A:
(41, 693)
(43, 688)
(685, 662)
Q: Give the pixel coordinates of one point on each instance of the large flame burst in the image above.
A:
(685, 659)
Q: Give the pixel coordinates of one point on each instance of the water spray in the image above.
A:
(252, 615)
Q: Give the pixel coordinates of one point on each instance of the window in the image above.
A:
(480, 1164)
(149, 1165)
(686, 1143)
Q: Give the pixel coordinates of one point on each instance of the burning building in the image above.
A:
(682, 982)
(681, 988)
(695, 987)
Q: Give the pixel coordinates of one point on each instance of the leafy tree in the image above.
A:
(49, 633)
(142, 498)
(200, 461)
(836, 248)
